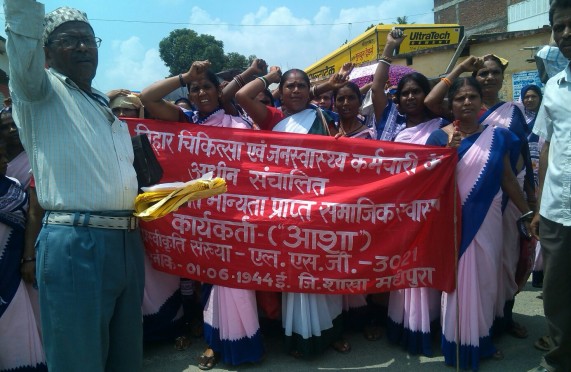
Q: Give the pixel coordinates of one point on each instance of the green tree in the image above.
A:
(373, 26)
(184, 46)
(403, 20)
(235, 60)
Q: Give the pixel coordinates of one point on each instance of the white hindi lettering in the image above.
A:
(307, 281)
(409, 278)
(250, 205)
(351, 285)
(417, 209)
(306, 157)
(286, 182)
(207, 227)
(309, 261)
(434, 161)
(264, 257)
(284, 208)
(379, 163)
(230, 175)
(256, 151)
(202, 144)
(364, 210)
(163, 260)
(325, 240)
(338, 262)
(159, 140)
(207, 250)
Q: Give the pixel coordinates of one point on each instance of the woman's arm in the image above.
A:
(257, 68)
(335, 82)
(152, 96)
(246, 97)
(378, 95)
(365, 88)
(543, 164)
(33, 227)
(511, 187)
(434, 101)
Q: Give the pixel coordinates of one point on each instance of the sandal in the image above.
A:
(296, 354)
(518, 331)
(181, 343)
(498, 355)
(341, 346)
(372, 332)
(543, 343)
(206, 362)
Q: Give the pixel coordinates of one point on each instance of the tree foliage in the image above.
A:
(235, 60)
(184, 46)
(403, 20)
(373, 26)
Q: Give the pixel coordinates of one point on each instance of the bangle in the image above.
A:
(263, 79)
(526, 215)
(182, 83)
(27, 259)
(312, 91)
(385, 58)
(446, 81)
(385, 62)
(238, 81)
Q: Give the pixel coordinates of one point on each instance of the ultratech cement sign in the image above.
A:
(429, 38)
(369, 46)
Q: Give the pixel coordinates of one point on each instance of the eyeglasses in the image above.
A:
(73, 42)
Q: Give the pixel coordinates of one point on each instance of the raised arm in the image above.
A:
(112, 94)
(378, 95)
(152, 96)
(246, 97)
(258, 67)
(335, 82)
(25, 49)
(435, 101)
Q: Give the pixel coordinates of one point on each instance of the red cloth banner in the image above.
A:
(305, 213)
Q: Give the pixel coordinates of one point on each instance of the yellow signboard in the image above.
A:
(428, 37)
(330, 65)
(368, 46)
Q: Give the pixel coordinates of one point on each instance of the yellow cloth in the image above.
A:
(159, 201)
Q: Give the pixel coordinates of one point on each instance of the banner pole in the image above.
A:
(456, 271)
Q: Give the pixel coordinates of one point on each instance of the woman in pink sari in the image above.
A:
(21, 345)
(509, 115)
(489, 72)
(231, 326)
(414, 312)
(484, 172)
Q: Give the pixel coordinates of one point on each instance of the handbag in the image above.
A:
(148, 168)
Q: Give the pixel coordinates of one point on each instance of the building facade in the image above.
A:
(489, 16)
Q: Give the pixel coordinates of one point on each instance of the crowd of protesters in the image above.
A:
(73, 267)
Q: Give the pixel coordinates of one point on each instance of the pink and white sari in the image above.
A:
(479, 173)
(411, 311)
(510, 115)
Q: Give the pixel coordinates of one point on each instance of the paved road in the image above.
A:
(520, 355)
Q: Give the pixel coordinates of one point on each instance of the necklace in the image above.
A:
(347, 133)
(470, 132)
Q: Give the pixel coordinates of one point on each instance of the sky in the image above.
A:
(289, 34)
